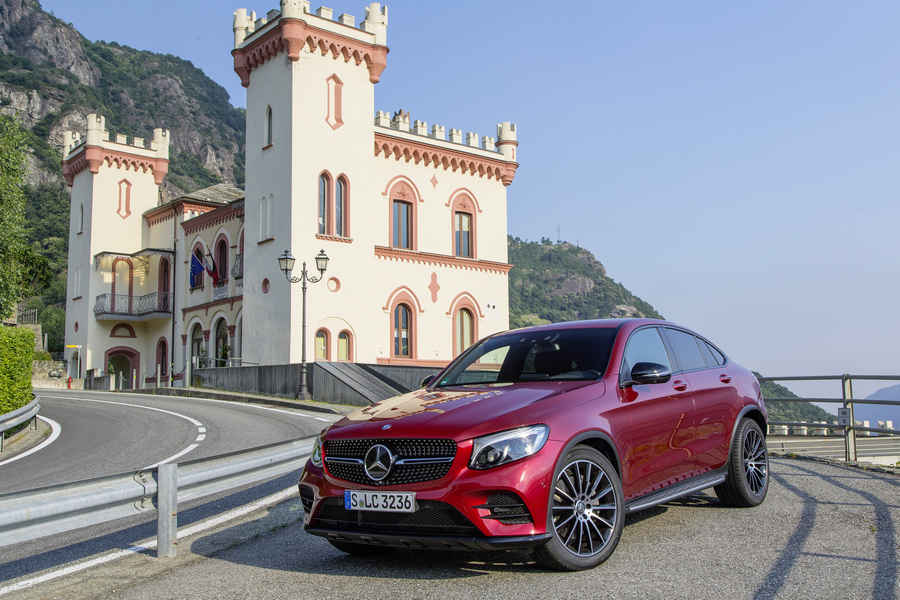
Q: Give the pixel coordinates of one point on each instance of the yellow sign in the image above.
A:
(73, 346)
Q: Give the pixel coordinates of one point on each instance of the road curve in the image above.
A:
(107, 433)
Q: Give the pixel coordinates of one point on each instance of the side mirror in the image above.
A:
(648, 372)
(427, 380)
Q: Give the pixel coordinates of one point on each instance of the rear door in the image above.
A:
(652, 419)
(708, 425)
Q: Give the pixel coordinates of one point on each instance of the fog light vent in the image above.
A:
(306, 497)
(507, 508)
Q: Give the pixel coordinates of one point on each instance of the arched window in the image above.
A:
(322, 345)
(223, 352)
(324, 202)
(402, 328)
(402, 224)
(268, 126)
(197, 267)
(341, 225)
(198, 351)
(344, 346)
(163, 301)
(265, 222)
(464, 331)
(464, 226)
(222, 261)
(162, 357)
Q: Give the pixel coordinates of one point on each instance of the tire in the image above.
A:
(596, 507)
(747, 481)
(358, 549)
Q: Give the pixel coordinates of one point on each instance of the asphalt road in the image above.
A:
(823, 532)
(107, 434)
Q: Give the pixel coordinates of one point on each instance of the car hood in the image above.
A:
(457, 413)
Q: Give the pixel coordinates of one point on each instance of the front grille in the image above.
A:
(431, 518)
(400, 474)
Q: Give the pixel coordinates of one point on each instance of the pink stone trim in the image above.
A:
(334, 96)
(429, 258)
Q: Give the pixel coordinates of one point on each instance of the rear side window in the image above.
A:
(644, 345)
(718, 357)
(687, 350)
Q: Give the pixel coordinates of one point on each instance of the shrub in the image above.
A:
(42, 355)
(16, 353)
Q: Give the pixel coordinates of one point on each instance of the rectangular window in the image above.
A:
(263, 218)
(402, 225)
(463, 228)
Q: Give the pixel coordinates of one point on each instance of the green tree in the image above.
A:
(13, 249)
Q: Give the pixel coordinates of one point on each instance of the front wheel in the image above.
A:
(748, 467)
(586, 512)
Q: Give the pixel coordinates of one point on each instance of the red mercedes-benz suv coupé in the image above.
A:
(542, 438)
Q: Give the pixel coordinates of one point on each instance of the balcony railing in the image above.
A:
(135, 306)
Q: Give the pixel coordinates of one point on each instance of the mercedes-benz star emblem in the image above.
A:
(378, 462)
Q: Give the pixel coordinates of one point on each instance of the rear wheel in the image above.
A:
(586, 512)
(357, 549)
(748, 467)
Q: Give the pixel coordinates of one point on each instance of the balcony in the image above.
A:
(122, 307)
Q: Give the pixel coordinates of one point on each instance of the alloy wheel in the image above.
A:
(756, 463)
(584, 508)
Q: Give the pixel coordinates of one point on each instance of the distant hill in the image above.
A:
(790, 411)
(880, 412)
(559, 281)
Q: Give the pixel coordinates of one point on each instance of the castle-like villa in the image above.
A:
(414, 223)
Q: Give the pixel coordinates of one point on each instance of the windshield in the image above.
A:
(555, 355)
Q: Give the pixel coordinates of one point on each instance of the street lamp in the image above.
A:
(286, 264)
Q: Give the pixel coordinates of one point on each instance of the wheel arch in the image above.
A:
(753, 412)
(599, 441)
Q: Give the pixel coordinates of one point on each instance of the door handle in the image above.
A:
(725, 378)
(679, 385)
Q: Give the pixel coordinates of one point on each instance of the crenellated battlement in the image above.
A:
(400, 121)
(98, 145)
(247, 25)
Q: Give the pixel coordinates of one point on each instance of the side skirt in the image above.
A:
(683, 488)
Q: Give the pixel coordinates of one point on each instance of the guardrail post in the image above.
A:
(849, 432)
(167, 509)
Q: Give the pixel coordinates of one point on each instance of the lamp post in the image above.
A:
(286, 264)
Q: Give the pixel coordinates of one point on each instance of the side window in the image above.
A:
(644, 345)
(717, 358)
(687, 350)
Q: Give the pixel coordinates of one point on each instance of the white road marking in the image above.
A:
(201, 429)
(55, 430)
(191, 420)
(173, 457)
(200, 437)
(149, 544)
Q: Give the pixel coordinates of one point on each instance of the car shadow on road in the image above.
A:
(885, 580)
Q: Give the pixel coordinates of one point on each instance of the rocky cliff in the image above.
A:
(51, 77)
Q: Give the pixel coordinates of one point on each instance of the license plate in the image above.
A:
(403, 502)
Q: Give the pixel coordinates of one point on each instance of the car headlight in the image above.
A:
(316, 457)
(500, 448)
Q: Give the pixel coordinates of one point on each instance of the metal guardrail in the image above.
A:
(18, 416)
(52, 510)
(849, 428)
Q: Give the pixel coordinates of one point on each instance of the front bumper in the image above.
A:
(428, 542)
(460, 498)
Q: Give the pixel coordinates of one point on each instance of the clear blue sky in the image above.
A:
(735, 164)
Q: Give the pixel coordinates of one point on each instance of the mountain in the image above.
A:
(51, 78)
(559, 281)
(790, 411)
(880, 412)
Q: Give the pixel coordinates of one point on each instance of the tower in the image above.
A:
(310, 99)
(112, 182)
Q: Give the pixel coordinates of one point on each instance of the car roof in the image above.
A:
(593, 323)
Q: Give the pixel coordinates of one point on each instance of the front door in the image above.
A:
(651, 422)
(120, 367)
